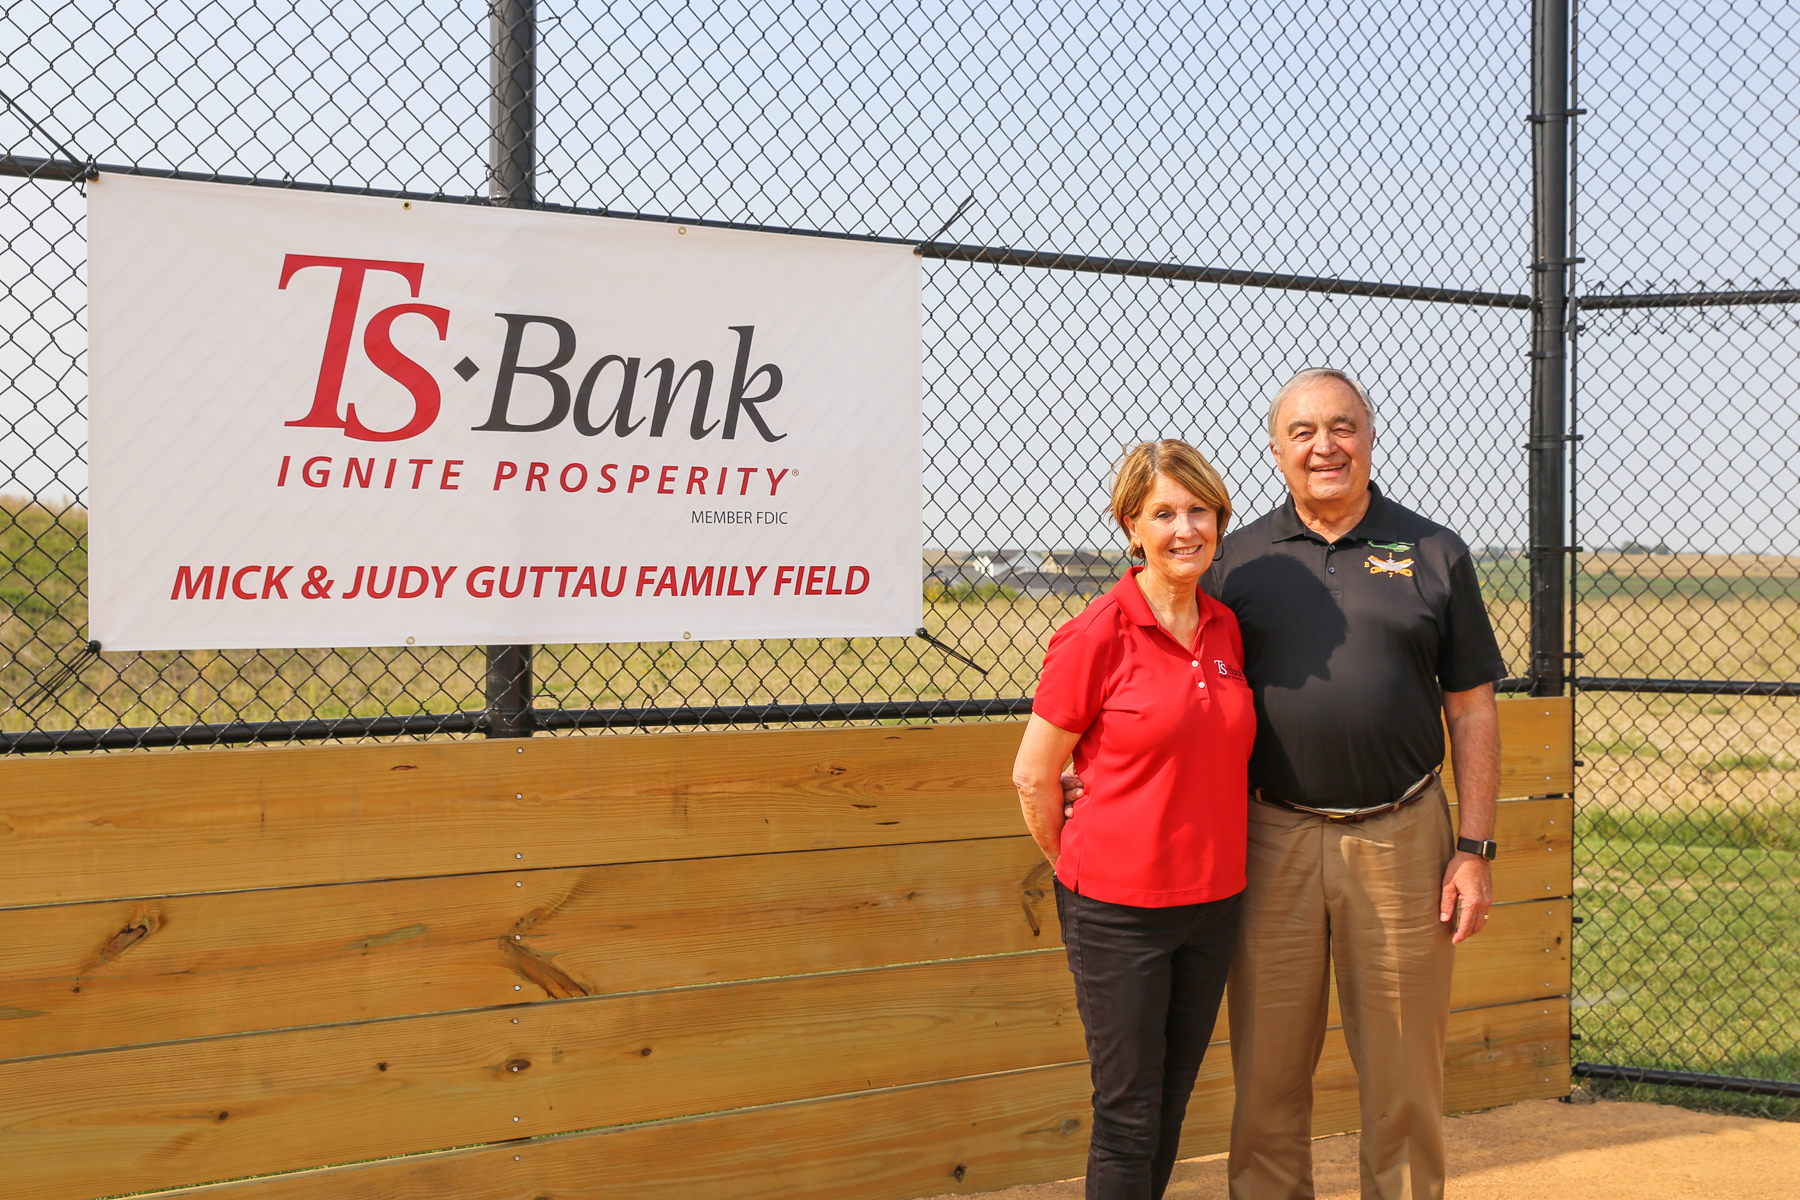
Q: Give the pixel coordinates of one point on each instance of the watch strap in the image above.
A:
(1486, 849)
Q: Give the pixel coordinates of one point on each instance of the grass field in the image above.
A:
(1688, 955)
(1688, 827)
(1688, 846)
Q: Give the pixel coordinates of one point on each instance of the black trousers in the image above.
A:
(1147, 983)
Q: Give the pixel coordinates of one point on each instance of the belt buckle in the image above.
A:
(1353, 818)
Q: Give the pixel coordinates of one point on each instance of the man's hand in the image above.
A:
(1072, 789)
(1467, 879)
(1474, 725)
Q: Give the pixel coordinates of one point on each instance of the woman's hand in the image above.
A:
(1037, 774)
(1072, 791)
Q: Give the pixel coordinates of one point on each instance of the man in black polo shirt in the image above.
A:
(1364, 634)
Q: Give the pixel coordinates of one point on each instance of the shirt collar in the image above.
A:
(1130, 599)
(1375, 523)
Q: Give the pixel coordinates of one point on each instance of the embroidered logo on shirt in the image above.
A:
(1229, 671)
(1389, 566)
(1396, 547)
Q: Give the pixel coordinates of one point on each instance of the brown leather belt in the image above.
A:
(1351, 816)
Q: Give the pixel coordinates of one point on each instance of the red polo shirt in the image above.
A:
(1165, 746)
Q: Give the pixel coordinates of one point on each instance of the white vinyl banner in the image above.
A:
(324, 420)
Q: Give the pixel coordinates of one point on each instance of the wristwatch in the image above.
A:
(1486, 849)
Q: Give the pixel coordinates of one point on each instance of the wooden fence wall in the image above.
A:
(812, 964)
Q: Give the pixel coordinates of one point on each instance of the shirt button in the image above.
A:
(1331, 570)
(1195, 663)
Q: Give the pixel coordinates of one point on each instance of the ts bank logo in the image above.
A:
(577, 403)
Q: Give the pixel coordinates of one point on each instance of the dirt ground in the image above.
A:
(1548, 1150)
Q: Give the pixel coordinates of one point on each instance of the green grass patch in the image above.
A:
(1735, 827)
(43, 562)
(1749, 760)
(1708, 587)
(1631, 744)
(1772, 1108)
(1688, 955)
(1510, 579)
(962, 592)
(27, 602)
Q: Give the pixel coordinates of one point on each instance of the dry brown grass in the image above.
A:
(1693, 752)
(1683, 566)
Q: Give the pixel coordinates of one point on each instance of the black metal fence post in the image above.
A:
(512, 158)
(1549, 306)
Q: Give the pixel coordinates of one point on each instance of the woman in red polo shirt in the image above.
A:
(1146, 688)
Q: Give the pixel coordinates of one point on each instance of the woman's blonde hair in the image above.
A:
(1176, 460)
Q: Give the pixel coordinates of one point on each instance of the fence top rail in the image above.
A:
(233, 733)
(1718, 299)
(69, 170)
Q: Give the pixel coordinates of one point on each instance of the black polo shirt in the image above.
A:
(1349, 647)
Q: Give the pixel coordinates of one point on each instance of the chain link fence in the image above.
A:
(1136, 222)
(1688, 336)
(1132, 240)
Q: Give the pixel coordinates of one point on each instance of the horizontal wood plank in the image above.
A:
(1537, 748)
(128, 825)
(1521, 954)
(1493, 1055)
(157, 1116)
(133, 825)
(1507, 1053)
(962, 1137)
(90, 976)
(305, 1097)
(1537, 848)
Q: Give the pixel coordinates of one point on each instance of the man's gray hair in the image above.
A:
(1308, 376)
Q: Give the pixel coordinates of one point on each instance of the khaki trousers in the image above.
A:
(1362, 898)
